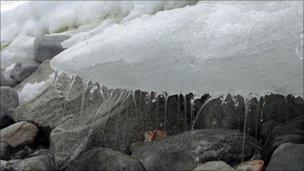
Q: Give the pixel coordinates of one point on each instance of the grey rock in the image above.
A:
(266, 129)
(279, 135)
(105, 159)
(82, 115)
(42, 73)
(21, 133)
(43, 162)
(214, 165)
(287, 157)
(22, 153)
(6, 80)
(46, 47)
(2, 165)
(5, 151)
(190, 149)
(20, 71)
(8, 97)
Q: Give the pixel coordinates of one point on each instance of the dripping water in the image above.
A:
(134, 100)
(185, 107)
(166, 102)
(67, 94)
(199, 111)
(244, 131)
(86, 83)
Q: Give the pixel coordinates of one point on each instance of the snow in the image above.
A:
(210, 47)
(31, 90)
(206, 47)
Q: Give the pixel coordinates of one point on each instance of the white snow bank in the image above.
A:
(40, 17)
(214, 47)
(31, 90)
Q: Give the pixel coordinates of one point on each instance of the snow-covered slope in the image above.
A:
(214, 47)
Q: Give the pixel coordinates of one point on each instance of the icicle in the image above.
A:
(166, 101)
(185, 106)
(134, 99)
(191, 109)
(244, 132)
(199, 111)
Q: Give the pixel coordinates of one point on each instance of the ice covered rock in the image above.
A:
(82, 115)
(46, 47)
(187, 150)
(105, 159)
(18, 134)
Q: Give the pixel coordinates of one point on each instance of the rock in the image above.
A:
(21, 133)
(46, 47)
(43, 73)
(22, 153)
(2, 165)
(6, 80)
(217, 113)
(20, 72)
(266, 128)
(279, 135)
(187, 150)
(105, 159)
(8, 97)
(287, 157)
(43, 162)
(82, 115)
(251, 165)
(214, 165)
(5, 151)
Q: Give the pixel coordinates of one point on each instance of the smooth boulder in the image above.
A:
(42, 161)
(5, 151)
(188, 150)
(46, 47)
(21, 133)
(287, 157)
(214, 165)
(105, 159)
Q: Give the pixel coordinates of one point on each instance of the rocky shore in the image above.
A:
(77, 124)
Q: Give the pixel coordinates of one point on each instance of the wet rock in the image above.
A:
(214, 165)
(5, 151)
(266, 128)
(82, 115)
(43, 162)
(46, 47)
(219, 113)
(287, 157)
(280, 135)
(278, 108)
(105, 159)
(22, 153)
(21, 133)
(20, 71)
(187, 150)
